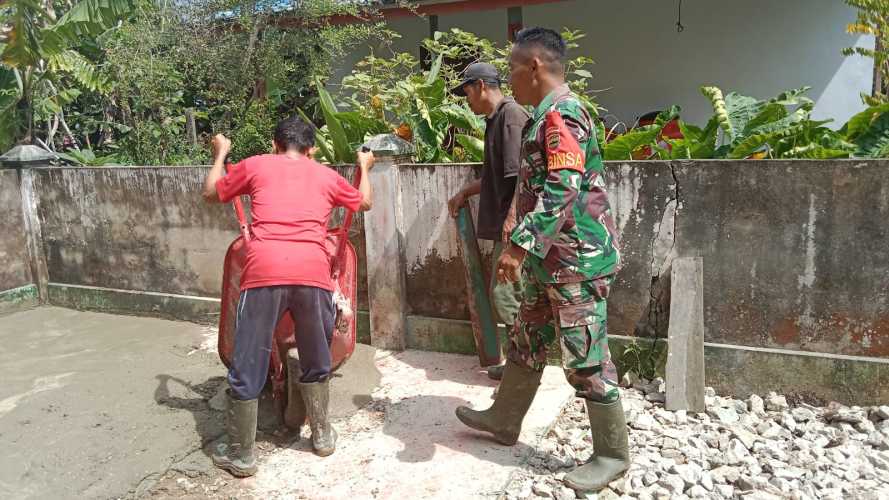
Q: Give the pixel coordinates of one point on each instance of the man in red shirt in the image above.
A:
(287, 269)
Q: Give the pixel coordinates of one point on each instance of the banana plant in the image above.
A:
(625, 146)
(343, 131)
(750, 125)
(88, 158)
(746, 127)
(41, 62)
(422, 112)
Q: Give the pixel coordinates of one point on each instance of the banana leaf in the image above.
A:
(358, 126)
(10, 89)
(860, 123)
(23, 41)
(473, 146)
(816, 152)
(622, 148)
(741, 111)
(874, 142)
(92, 17)
(342, 150)
(81, 70)
(434, 71)
(793, 97)
(757, 141)
(464, 119)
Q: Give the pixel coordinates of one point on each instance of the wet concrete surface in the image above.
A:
(102, 406)
(406, 443)
(92, 405)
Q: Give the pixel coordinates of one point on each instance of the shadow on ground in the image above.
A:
(209, 424)
(441, 429)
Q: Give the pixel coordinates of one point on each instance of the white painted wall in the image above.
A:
(755, 47)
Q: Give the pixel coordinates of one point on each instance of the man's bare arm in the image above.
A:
(221, 148)
(365, 163)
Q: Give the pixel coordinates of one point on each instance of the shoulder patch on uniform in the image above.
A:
(552, 138)
(562, 150)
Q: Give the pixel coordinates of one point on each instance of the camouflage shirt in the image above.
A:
(564, 218)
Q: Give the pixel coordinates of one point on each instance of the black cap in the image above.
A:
(475, 72)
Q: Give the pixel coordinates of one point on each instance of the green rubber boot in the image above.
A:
(236, 456)
(611, 449)
(504, 418)
(316, 396)
(295, 412)
(495, 372)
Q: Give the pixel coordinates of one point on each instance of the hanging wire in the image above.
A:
(679, 27)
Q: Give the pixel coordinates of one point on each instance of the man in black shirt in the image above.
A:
(503, 145)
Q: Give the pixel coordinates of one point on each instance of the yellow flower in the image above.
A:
(376, 103)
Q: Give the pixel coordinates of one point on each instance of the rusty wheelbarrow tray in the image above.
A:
(344, 271)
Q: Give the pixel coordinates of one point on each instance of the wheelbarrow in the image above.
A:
(344, 271)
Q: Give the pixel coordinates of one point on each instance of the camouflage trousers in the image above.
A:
(576, 314)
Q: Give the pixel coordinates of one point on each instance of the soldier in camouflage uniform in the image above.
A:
(566, 248)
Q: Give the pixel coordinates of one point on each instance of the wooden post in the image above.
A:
(484, 327)
(685, 359)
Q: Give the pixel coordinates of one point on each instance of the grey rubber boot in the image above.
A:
(317, 397)
(295, 412)
(514, 396)
(611, 455)
(236, 455)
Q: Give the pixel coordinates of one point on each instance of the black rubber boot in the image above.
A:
(611, 455)
(316, 397)
(236, 456)
(295, 412)
(514, 396)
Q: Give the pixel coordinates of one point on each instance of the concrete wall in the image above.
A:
(134, 239)
(16, 282)
(435, 284)
(796, 255)
(757, 47)
(14, 267)
(143, 229)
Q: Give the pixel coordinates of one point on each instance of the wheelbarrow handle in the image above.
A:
(239, 211)
(347, 222)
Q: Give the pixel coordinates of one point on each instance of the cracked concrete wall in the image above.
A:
(15, 270)
(796, 253)
(643, 197)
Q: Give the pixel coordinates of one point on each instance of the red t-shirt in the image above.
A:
(291, 203)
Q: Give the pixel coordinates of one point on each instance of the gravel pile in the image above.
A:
(761, 448)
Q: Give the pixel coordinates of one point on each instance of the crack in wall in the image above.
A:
(655, 321)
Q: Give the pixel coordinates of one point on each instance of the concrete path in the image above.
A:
(103, 406)
(406, 443)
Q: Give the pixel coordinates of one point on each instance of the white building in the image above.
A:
(754, 47)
